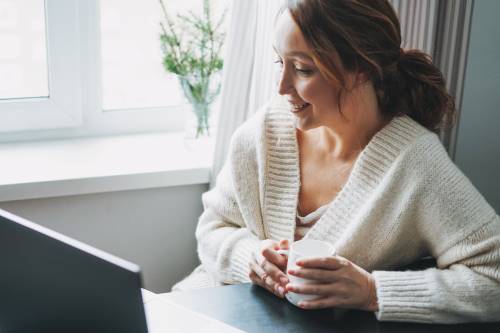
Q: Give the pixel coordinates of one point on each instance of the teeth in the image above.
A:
(299, 106)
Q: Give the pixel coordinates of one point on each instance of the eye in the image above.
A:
(279, 62)
(303, 71)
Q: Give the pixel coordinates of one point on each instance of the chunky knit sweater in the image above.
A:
(404, 200)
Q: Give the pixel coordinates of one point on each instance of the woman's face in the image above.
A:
(312, 99)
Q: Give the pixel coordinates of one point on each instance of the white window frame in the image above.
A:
(74, 107)
(62, 108)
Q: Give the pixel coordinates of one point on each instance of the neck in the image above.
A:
(346, 134)
(347, 140)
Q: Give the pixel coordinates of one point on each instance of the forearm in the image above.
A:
(466, 288)
(226, 250)
(437, 296)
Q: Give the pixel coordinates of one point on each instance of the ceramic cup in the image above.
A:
(304, 248)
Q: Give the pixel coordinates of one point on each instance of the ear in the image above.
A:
(361, 77)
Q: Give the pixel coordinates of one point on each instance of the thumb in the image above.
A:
(284, 244)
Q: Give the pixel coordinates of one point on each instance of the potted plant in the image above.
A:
(191, 48)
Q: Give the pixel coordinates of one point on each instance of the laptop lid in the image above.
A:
(52, 283)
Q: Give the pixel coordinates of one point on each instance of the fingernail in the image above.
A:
(299, 263)
(283, 280)
(291, 271)
(281, 290)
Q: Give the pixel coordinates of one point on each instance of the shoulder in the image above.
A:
(414, 156)
(254, 134)
(251, 129)
(443, 191)
(426, 160)
(429, 161)
(415, 148)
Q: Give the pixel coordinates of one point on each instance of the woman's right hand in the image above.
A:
(267, 269)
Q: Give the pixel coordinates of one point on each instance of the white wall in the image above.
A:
(153, 228)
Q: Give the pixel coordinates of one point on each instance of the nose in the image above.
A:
(285, 83)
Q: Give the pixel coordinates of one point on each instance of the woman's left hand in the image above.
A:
(340, 283)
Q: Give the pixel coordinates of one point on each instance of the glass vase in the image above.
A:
(199, 93)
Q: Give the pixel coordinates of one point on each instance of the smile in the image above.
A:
(299, 107)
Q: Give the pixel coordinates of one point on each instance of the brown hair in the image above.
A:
(364, 36)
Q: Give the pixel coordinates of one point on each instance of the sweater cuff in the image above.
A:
(403, 296)
(240, 259)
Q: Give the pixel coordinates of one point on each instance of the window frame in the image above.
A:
(74, 107)
(62, 108)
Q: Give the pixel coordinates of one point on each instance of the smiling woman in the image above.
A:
(314, 98)
(348, 154)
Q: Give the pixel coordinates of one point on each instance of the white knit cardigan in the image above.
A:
(404, 200)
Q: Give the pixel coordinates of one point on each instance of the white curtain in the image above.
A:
(249, 71)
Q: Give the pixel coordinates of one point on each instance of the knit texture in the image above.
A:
(404, 200)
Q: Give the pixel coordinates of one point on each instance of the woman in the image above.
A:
(351, 158)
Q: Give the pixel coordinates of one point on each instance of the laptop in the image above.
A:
(53, 283)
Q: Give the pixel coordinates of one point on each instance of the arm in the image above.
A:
(230, 228)
(460, 230)
(465, 287)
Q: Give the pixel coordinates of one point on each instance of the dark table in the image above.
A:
(253, 309)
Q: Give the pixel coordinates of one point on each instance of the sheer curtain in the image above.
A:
(249, 72)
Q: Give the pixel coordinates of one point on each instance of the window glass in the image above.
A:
(132, 71)
(23, 55)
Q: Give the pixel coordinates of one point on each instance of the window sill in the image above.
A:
(93, 165)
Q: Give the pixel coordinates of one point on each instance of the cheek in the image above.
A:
(309, 91)
(319, 94)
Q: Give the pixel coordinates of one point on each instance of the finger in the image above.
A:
(311, 289)
(254, 277)
(333, 262)
(274, 272)
(258, 281)
(271, 244)
(321, 275)
(274, 257)
(259, 271)
(266, 244)
(258, 257)
(284, 244)
(268, 280)
(276, 290)
(321, 303)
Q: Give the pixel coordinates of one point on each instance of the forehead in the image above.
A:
(288, 39)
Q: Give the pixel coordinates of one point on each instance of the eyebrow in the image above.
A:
(299, 54)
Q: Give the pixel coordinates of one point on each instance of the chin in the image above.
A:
(305, 120)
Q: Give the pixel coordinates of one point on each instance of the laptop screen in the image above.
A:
(52, 283)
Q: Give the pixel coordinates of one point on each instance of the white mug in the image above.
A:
(304, 248)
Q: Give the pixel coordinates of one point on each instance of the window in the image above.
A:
(87, 67)
(39, 65)
(132, 72)
(23, 61)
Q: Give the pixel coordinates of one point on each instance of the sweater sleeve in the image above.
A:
(226, 236)
(464, 288)
(461, 230)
